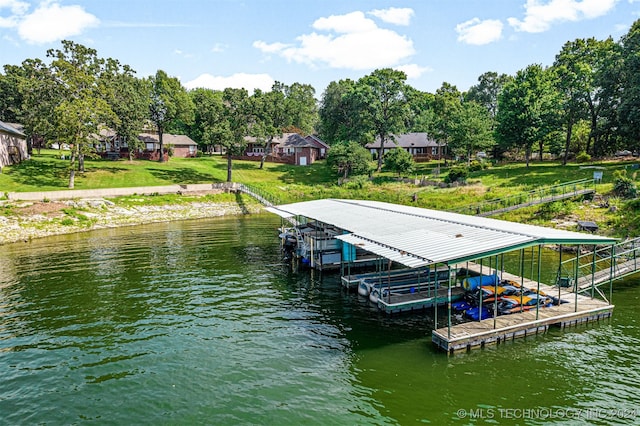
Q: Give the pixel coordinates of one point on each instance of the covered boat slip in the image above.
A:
(417, 237)
(575, 309)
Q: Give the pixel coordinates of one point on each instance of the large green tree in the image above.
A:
(382, 104)
(128, 98)
(630, 95)
(527, 110)
(238, 118)
(269, 117)
(470, 130)
(486, 92)
(447, 103)
(339, 117)
(77, 72)
(169, 104)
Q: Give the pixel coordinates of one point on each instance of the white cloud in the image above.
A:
(351, 41)
(413, 71)
(354, 22)
(540, 15)
(219, 48)
(250, 82)
(51, 22)
(394, 15)
(17, 9)
(479, 32)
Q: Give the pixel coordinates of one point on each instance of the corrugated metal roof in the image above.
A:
(406, 233)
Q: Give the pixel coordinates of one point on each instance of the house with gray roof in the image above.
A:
(419, 144)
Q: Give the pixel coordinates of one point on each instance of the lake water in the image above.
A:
(199, 322)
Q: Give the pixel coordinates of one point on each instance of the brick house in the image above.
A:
(418, 144)
(289, 148)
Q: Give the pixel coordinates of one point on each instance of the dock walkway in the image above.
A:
(474, 334)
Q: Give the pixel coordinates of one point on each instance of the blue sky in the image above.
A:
(252, 43)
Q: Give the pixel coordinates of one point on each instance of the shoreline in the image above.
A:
(48, 219)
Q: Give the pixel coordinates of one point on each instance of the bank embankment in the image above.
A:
(26, 220)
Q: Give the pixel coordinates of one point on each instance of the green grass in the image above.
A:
(286, 183)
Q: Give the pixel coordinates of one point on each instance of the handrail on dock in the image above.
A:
(537, 196)
(596, 267)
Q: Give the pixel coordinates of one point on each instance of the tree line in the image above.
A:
(587, 102)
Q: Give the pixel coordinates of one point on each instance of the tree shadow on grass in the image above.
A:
(182, 175)
(314, 174)
(42, 174)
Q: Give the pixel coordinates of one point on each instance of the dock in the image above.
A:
(418, 300)
(578, 309)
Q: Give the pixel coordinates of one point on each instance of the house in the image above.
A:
(113, 147)
(289, 148)
(418, 144)
(182, 145)
(13, 145)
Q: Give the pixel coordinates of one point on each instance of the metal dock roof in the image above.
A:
(415, 236)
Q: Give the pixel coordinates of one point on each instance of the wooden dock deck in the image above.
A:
(490, 331)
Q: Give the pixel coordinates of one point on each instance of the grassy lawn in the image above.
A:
(285, 183)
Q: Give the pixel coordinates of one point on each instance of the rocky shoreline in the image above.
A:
(31, 220)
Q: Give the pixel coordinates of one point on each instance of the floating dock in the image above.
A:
(503, 328)
(418, 300)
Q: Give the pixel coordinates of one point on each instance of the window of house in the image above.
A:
(434, 150)
(192, 149)
(258, 149)
(150, 146)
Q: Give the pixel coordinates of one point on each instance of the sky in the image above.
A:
(253, 43)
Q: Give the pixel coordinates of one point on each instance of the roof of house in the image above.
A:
(406, 140)
(415, 236)
(316, 140)
(10, 128)
(289, 140)
(168, 138)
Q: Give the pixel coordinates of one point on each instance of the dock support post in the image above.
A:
(539, 273)
(613, 259)
(575, 275)
(593, 272)
(448, 304)
(559, 274)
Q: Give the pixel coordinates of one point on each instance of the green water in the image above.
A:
(199, 322)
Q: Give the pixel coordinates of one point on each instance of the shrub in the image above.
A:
(477, 165)
(623, 186)
(583, 157)
(457, 173)
(358, 182)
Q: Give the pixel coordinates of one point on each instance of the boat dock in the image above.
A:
(466, 245)
(578, 309)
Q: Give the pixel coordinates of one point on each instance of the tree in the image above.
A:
(470, 130)
(128, 98)
(446, 104)
(339, 117)
(168, 105)
(630, 96)
(527, 110)
(237, 120)
(76, 72)
(399, 160)
(40, 96)
(10, 97)
(382, 104)
(348, 159)
(268, 110)
(486, 92)
(300, 106)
